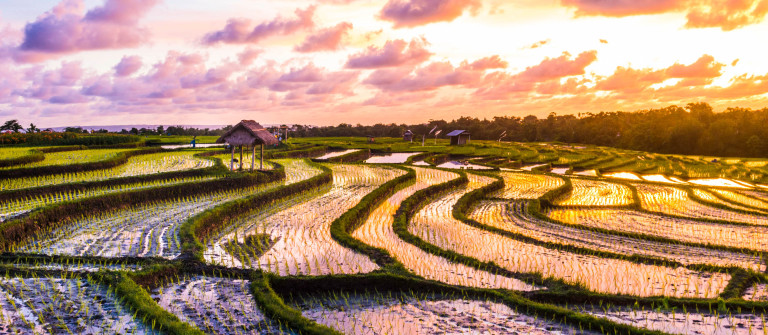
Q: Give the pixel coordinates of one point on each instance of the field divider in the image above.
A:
(145, 308)
(275, 308)
(33, 157)
(313, 151)
(15, 231)
(120, 159)
(420, 198)
(358, 155)
(218, 169)
(724, 207)
(537, 206)
(388, 282)
(203, 225)
(342, 227)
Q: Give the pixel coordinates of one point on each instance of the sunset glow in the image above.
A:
(100, 62)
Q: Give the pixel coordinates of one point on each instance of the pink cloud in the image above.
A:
(128, 66)
(327, 39)
(393, 53)
(562, 66)
(248, 55)
(491, 62)
(239, 31)
(411, 13)
(65, 29)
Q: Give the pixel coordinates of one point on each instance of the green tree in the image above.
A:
(756, 146)
(12, 125)
(33, 129)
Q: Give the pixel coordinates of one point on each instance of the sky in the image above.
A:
(323, 62)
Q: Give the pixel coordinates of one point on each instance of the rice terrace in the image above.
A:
(359, 235)
(383, 167)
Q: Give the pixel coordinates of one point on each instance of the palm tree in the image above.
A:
(33, 129)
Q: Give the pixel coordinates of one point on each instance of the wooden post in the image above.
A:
(241, 157)
(253, 156)
(261, 166)
(232, 160)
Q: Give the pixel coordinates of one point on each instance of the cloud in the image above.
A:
(239, 31)
(500, 85)
(618, 8)
(538, 44)
(704, 67)
(393, 53)
(65, 29)
(725, 14)
(327, 39)
(412, 13)
(248, 55)
(491, 62)
(563, 66)
(128, 65)
(628, 80)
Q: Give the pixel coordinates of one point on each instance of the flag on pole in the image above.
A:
(438, 132)
(433, 129)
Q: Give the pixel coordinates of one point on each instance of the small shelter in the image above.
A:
(408, 136)
(371, 139)
(247, 133)
(459, 137)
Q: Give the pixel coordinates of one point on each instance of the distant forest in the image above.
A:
(694, 129)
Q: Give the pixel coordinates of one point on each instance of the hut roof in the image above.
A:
(261, 135)
(457, 133)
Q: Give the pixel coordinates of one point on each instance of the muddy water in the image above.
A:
(378, 231)
(393, 313)
(434, 223)
(61, 306)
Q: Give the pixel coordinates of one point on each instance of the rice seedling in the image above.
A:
(680, 321)
(14, 152)
(215, 305)
(136, 165)
(143, 231)
(756, 292)
(675, 201)
(302, 229)
(435, 224)
(751, 199)
(698, 232)
(21, 206)
(515, 217)
(421, 313)
(63, 306)
(587, 192)
(73, 157)
(377, 231)
(526, 186)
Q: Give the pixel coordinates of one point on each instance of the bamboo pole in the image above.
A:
(241, 157)
(261, 166)
(232, 160)
(253, 156)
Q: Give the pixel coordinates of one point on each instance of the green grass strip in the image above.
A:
(145, 308)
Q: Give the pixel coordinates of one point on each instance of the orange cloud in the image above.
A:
(411, 13)
(327, 39)
(393, 53)
(725, 14)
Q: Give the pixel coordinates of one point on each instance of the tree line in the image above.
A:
(692, 130)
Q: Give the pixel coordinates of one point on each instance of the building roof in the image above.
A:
(261, 135)
(408, 132)
(457, 133)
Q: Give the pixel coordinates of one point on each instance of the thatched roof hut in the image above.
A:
(247, 133)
